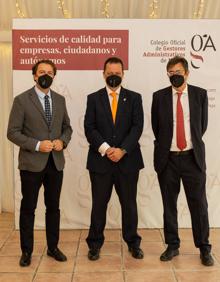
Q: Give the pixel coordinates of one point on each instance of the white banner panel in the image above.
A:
(79, 48)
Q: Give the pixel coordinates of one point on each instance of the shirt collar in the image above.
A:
(41, 94)
(184, 92)
(109, 91)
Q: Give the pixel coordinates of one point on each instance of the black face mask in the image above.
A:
(113, 80)
(177, 80)
(45, 81)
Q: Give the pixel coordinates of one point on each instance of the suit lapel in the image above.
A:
(37, 103)
(192, 105)
(121, 103)
(54, 106)
(169, 106)
(106, 105)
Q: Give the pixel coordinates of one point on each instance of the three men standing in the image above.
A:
(40, 126)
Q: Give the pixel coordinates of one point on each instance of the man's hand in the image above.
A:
(115, 154)
(46, 146)
(109, 151)
(57, 145)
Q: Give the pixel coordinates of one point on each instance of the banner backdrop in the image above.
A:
(79, 49)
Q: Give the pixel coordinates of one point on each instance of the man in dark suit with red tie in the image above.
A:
(113, 125)
(179, 120)
(39, 124)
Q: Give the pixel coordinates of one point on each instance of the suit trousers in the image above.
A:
(126, 189)
(184, 167)
(31, 182)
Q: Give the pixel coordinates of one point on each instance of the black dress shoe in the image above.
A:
(25, 259)
(169, 254)
(206, 259)
(56, 254)
(93, 254)
(136, 252)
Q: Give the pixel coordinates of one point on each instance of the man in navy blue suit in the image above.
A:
(113, 125)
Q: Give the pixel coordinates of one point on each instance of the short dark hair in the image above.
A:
(176, 60)
(113, 60)
(48, 62)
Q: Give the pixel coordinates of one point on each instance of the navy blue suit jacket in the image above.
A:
(125, 133)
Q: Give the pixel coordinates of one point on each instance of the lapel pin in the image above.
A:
(124, 99)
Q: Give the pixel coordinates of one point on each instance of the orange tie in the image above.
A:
(114, 105)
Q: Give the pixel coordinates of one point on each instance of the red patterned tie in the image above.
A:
(180, 131)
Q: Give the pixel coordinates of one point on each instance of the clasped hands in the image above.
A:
(48, 145)
(114, 154)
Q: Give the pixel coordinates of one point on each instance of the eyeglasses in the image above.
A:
(179, 72)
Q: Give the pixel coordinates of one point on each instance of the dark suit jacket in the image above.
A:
(28, 125)
(99, 128)
(162, 124)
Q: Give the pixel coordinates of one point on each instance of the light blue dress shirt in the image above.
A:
(41, 96)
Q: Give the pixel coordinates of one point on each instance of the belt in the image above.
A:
(181, 153)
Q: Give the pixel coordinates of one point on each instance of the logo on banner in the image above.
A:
(199, 44)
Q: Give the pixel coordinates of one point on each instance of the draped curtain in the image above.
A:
(6, 159)
(162, 9)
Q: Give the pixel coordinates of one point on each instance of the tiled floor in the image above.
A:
(115, 264)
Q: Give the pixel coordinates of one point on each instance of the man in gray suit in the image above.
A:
(39, 124)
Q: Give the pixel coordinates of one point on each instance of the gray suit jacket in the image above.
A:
(28, 125)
